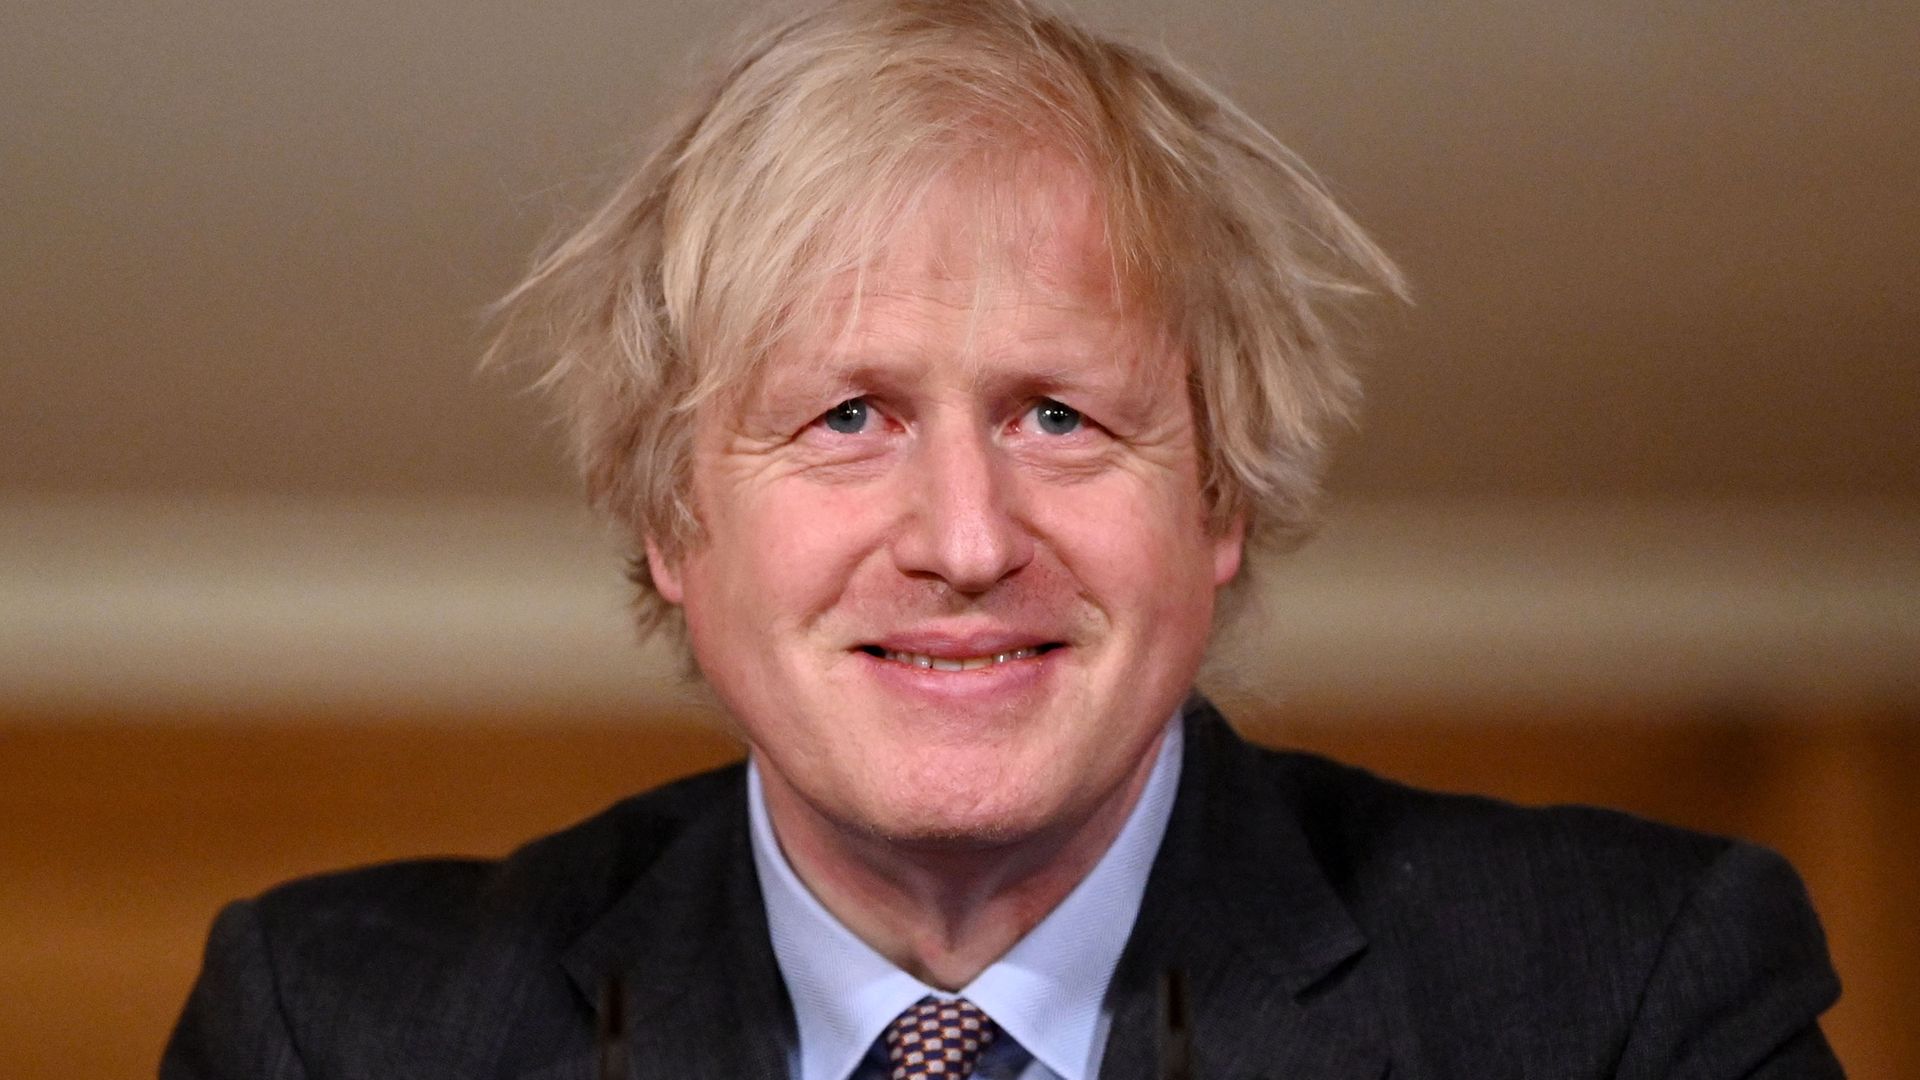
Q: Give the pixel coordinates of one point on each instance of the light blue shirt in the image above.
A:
(1047, 994)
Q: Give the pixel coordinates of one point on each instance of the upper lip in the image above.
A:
(959, 645)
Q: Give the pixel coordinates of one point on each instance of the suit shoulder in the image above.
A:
(583, 867)
(1360, 823)
(355, 956)
(1497, 914)
(1513, 925)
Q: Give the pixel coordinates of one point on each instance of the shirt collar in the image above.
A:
(1046, 993)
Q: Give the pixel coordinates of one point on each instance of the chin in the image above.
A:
(963, 809)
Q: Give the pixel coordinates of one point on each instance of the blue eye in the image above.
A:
(848, 418)
(1055, 418)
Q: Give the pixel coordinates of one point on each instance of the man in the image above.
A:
(942, 365)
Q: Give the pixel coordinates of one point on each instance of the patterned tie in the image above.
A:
(938, 1039)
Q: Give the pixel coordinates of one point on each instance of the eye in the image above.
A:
(1053, 418)
(848, 418)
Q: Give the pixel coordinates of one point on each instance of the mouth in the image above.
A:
(932, 662)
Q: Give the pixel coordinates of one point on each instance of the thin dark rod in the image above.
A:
(611, 1039)
(1176, 1027)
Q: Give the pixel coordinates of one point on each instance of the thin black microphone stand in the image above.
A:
(611, 1038)
(1176, 1027)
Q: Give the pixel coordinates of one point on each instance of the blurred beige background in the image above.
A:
(1633, 516)
(1661, 250)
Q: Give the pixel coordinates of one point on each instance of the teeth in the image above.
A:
(969, 663)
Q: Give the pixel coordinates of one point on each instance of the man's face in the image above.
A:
(955, 572)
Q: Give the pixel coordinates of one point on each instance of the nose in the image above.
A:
(961, 524)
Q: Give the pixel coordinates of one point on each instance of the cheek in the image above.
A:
(1125, 534)
(1144, 559)
(786, 554)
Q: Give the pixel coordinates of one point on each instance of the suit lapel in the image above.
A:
(1238, 902)
(703, 993)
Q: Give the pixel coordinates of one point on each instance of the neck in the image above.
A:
(943, 911)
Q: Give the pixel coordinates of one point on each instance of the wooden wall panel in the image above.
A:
(118, 842)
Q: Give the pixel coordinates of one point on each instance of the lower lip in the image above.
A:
(991, 683)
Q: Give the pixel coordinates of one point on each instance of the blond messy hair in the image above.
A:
(825, 128)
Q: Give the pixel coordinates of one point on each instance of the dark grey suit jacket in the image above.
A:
(1330, 925)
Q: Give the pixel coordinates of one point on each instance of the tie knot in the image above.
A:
(938, 1038)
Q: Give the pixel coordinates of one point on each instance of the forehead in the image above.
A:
(1016, 258)
(1034, 234)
